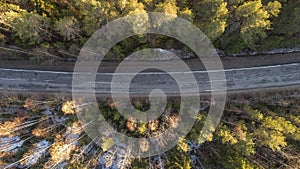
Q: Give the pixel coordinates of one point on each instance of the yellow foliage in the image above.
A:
(274, 8)
(131, 124)
(107, 143)
(39, 132)
(153, 125)
(8, 127)
(173, 121)
(187, 14)
(239, 133)
(68, 107)
(61, 151)
(182, 145)
(226, 135)
(76, 128)
(142, 129)
(167, 7)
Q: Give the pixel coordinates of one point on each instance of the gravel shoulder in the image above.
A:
(195, 64)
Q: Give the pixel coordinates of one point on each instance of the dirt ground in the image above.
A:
(195, 64)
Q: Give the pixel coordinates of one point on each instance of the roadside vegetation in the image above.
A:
(57, 29)
(259, 130)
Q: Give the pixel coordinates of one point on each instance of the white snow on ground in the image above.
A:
(62, 165)
(193, 146)
(70, 141)
(47, 112)
(38, 151)
(114, 157)
(72, 134)
(112, 161)
(10, 144)
(283, 50)
(269, 52)
(165, 54)
(60, 119)
(108, 161)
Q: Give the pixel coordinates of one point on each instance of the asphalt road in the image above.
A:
(236, 79)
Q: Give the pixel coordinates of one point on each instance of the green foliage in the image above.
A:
(2, 39)
(235, 161)
(131, 7)
(226, 136)
(279, 124)
(287, 26)
(167, 7)
(272, 42)
(251, 135)
(248, 24)
(237, 145)
(254, 21)
(245, 136)
(232, 25)
(182, 145)
(46, 7)
(187, 14)
(272, 139)
(31, 28)
(272, 132)
(273, 8)
(94, 14)
(288, 21)
(8, 12)
(232, 157)
(139, 163)
(178, 159)
(232, 43)
(68, 28)
(211, 17)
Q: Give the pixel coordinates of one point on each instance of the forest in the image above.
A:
(258, 130)
(57, 29)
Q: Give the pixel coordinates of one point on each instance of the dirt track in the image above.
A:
(228, 62)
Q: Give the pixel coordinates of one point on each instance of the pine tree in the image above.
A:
(247, 24)
(211, 17)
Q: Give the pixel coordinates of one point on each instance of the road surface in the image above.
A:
(236, 79)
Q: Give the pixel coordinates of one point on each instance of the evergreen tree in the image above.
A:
(248, 23)
(211, 17)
